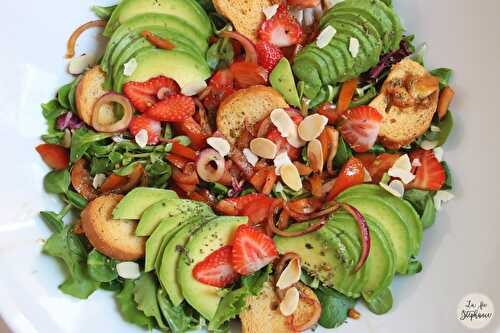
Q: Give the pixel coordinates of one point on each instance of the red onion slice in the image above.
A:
(248, 45)
(119, 125)
(204, 168)
(364, 231)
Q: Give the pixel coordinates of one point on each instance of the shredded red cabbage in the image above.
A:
(68, 120)
(387, 60)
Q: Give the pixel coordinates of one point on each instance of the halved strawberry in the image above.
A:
(430, 175)
(151, 126)
(252, 250)
(55, 156)
(248, 74)
(360, 127)
(143, 95)
(173, 108)
(282, 29)
(268, 55)
(216, 269)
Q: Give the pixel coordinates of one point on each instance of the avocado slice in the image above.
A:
(341, 43)
(381, 258)
(171, 254)
(176, 64)
(169, 208)
(147, 20)
(308, 53)
(404, 208)
(208, 238)
(306, 71)
(389, 220)
(138, 200)
(186, 10)
(337, 58)
(281, 79)
(322, 253)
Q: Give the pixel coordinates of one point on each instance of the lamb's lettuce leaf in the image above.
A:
(128, 307)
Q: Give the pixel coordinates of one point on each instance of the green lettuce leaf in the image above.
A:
(101, 268)
(179, 318)
(128, 307)
(68, 247)
(145, 296)
(335, 307)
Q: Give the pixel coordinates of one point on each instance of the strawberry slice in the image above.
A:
(143, 95)
(194, 131)
(360, 127)
(216, 269)
(173, 108)
(223, 78)
(234, 206)
(248, 74)
(151, 126)
(252, 250)
(430, 175)
(54, 156)
(352, 173)
(268, 55)
(282, 29)
(381, 165)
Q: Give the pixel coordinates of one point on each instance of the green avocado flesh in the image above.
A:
(281, 79)
(211, 236)
(187, 10)
(375, 25)
(138, 200)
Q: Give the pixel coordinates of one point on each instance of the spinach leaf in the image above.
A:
(381, 303)
(62, 95)
(414, 267)
(335, 307)
(429, 215)
(104, 13)
(444, 76)
(145, 296)
(127, 170)
(309, 280)
(158, 168)
(446, 126)
(53, 138)
(101, 268)
(115, 285)
(448, 183)
(128, 307)
(233, 302)
(50, 112)
(100, 165)
(68, 247)
(344, 153)
(377, 149)
(220, 54)
(178, 318)
(418, 199)
(72, 94)
(57, 182)
(81, 141)
(76, 200)
(53, 220)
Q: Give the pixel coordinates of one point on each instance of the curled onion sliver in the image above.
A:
(364, 232)
(248, 45)
(121, 124)
(204, 168)
(70, 51)
(283, 233)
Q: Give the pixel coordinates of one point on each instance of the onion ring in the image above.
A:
(271, 223)
(363, 230)
(205, 170)
(119, 125)
(248, 45)
(70, 51)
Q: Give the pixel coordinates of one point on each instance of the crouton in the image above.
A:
(262, 314)
(247, 105)
(246, 15)
(408, 101)
(114, 238)
(89, 90)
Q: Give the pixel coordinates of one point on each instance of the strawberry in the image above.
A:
(194, 131)
(143, 95)
(268, 55)
(55, 156)
(252, 250)
(352, 173)
(381, 165)
(216, 269)
(430, 175)
(151, 126)
(173, 108)
(282, 143)
(248, 74)
(281, 30)
(360, 127)
(222, 79)
(234, 206)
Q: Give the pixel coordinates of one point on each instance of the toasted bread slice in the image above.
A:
(114, 238)
(402, 125)
(246, 15)
(251, 105)
(88, 91)
(262, 314)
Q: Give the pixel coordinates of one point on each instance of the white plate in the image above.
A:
(460, 253)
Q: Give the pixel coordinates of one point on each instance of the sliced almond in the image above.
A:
(264, 148)
(78, 65)
(441, 197)
(290, 302)
(130, 67)
(281, 159)
(141, 138)
(439, 153)
(294, 139)
(290, 176)
(405, 176)
(290, 275)
(354, 47)
(403, 163)
(128, 270)
(220, 144)
(325, 37)
(315, 155)
(270, 11)
(416, 163)
(98, 180)
(251, 157)
(311, 127)
(193, 88)
(396, 188)
(281, 119)
(428, 145)
(367, 177)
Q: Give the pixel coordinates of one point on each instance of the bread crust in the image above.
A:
(248, 105)
(262, 314)
(113, 238)
(89, 90)
(401, 126)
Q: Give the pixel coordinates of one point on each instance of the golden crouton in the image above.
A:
(88, 91)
